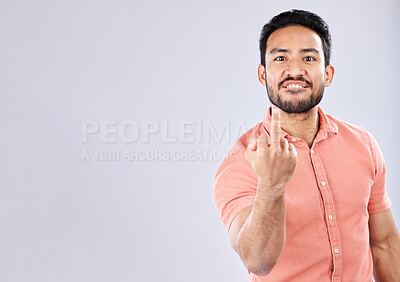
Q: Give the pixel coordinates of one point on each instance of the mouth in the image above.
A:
(295, 85)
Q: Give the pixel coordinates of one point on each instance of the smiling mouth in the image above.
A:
(296, 84)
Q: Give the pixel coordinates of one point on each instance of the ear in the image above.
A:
(261, 74)
(329, 72)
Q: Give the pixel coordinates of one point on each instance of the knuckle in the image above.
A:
(263, 153)
(274, 153)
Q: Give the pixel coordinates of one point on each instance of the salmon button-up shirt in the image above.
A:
(337, 183)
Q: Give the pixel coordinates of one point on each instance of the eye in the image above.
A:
(309, 59)
(280, 58)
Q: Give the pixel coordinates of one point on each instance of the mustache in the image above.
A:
(299, 78)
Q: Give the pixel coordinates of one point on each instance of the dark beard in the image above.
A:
(297, 107)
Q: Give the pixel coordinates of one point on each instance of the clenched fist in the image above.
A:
(273, 159)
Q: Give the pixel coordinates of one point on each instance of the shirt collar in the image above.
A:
(325, 124)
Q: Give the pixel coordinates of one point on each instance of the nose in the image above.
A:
(294, 68)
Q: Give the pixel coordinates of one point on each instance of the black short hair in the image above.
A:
(293, 18)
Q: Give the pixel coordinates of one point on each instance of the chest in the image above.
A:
(329, 181)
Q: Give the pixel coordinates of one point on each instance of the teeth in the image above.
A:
(294, 86)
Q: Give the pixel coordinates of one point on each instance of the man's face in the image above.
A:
(295, 75)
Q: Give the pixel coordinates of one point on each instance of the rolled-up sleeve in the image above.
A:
(379, 200)
(235, 186)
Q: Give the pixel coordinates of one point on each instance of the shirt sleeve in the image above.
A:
(379, 200)
(235, 186)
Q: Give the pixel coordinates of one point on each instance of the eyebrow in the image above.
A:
(308, 50)
(282, 50)
(279, 50)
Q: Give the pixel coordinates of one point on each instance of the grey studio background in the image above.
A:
(143, 84)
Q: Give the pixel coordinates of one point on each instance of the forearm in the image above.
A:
(262, 236)
(387, 260)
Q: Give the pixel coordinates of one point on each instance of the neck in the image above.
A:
(303, 126)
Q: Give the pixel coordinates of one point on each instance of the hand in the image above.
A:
(273, 159)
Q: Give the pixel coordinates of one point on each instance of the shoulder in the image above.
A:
(236, 155)
(349, 130)
(241, 144)
(345, 125)
(354, 136)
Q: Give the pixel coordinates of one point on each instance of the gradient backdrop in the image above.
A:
(114, 116)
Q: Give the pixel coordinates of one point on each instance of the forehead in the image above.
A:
(294, 37)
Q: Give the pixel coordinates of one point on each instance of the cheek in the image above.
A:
(275, 73)
(318, 76)
(271, 82)
(320, 80)
(272, 78)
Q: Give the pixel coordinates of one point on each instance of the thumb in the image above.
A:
(250, 155)
(252, 146)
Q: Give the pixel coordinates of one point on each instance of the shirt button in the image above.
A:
(323, 183)
(330, 217)
(336, 250)
(312, 151)
(293, 139)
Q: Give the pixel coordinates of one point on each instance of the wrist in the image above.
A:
(266, 184)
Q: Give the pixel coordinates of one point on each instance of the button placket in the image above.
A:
(328, 205)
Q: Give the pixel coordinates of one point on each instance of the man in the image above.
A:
(302, 194)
